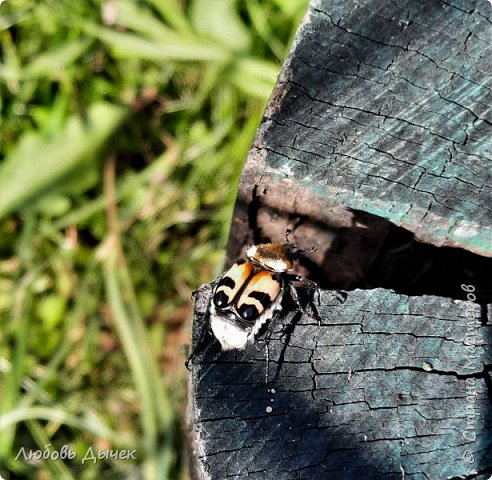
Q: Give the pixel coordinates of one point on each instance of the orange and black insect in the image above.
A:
(251, 292)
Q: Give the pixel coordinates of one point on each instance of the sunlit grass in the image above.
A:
(124, 125)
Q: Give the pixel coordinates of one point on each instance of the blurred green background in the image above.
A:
(124, 126)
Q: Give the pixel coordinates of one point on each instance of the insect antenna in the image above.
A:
(288, 231)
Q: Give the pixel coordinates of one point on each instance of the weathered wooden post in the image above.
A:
(376, 146)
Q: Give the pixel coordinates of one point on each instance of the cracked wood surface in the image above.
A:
(381, 107)
(380, 118)
(386, 384)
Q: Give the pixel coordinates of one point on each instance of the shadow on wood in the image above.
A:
(376, 147)
(387, 384)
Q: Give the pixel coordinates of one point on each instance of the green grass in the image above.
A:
(124, 126)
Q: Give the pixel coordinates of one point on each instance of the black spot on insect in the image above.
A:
(221, 299)
(248, 312)
(227, 282)
(247, 298)
(262, 297)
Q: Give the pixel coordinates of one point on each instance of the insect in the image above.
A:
(248, 296)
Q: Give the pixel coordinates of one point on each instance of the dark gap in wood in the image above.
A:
(411, 267)
(253, 208)
(372, 253)
(488, 381)
(478, 475)
(484, 319)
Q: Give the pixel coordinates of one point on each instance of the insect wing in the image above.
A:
(231, 283)
(260, 293)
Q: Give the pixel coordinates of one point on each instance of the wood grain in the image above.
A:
(376, 147)
(386, 384)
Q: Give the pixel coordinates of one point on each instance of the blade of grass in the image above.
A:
(260, 21)
(53, 160)
(161, 166)
(254, 76)
(172, 12)
(36, 390)
(171, 47)
(56, 467)
(135, 17)
(209, 18)
(13, 378)
(89, 423)
(8, 21)
(53, 62)
(156, 409)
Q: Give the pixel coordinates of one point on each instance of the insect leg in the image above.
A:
(267, 359)
(268, 335)
(206, 322)
(201, 340)
(294, 277)
(295, 298)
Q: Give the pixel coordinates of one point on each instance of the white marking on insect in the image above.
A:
(250, 294)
